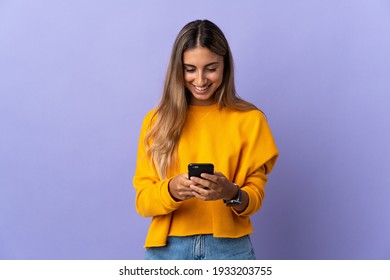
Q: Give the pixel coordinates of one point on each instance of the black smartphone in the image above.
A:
(195, 169)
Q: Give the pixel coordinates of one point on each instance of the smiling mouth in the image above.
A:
(202, 89)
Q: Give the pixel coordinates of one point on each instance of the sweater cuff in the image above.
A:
(252, 204)
(166, 197)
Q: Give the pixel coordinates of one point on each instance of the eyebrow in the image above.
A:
(207, 65)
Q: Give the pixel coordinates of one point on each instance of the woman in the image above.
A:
(200, 119)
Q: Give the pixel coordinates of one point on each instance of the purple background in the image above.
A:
(77, 77)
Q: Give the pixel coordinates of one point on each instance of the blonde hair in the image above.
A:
(170, 115)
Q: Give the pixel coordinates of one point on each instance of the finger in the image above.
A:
(207, 182)
(186, 195)
(199, 181)
(187, 182)
(199, 190)
(220, 176)
(209, 177)
(199, 196)
(184, 187)
(200, 193)
(205, 185)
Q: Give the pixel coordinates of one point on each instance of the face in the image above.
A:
(203, 74)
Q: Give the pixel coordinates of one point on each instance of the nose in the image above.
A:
(200, 79)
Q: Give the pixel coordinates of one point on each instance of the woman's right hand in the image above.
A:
(179, 187)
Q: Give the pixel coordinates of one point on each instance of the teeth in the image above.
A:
(201, 88)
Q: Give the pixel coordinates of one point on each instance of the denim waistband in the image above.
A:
(203, 247)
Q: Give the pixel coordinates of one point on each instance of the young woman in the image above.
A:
(200, 119)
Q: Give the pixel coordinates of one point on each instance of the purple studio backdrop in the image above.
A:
(77, 78)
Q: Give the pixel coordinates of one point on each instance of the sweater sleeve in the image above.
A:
(152, 195)
(258, 158)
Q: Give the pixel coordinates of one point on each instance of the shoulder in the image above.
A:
(149, 115)
(254, 115)
(252, 122)
(149, 118)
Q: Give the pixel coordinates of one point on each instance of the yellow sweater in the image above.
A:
(239, 144)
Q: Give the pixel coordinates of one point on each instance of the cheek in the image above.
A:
(188, 78)
(217, 78)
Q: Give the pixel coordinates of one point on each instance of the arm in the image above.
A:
(258, 159)
(156, 196)
(152, 195)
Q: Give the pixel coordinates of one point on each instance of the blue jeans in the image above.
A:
(203, 247)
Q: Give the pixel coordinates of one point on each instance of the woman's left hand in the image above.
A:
(213, 187)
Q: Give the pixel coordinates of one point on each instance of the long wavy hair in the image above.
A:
(170, 115)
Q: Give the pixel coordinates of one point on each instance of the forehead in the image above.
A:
(200, 56)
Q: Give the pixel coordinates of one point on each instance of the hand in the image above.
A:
(179, 187)
(213, 187)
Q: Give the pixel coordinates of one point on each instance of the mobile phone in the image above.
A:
(195, 169)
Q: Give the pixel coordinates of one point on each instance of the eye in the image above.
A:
(189, 70)
(211, 69)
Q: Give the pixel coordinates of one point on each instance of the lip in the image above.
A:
(201, 90)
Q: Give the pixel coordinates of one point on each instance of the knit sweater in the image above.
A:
(238, 143)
